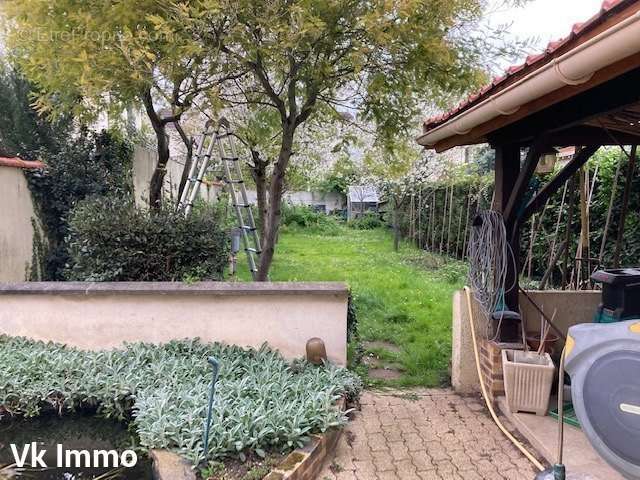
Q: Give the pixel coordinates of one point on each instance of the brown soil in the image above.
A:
(254, 468)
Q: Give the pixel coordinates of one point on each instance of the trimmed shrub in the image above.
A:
(88, 164)
(112, 240)
(366, 221)
(302, 216)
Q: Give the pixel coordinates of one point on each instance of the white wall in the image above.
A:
(104, 315)
(144, 164)
(16, 229)
(332, 200)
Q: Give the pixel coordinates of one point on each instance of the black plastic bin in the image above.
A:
(620, 294)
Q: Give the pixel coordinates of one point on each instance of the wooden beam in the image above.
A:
(507, 171)
(593, 135)
(520, 187)
(481, 133)
(550, 188)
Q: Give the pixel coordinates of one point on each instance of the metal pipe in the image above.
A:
(215, 365)
(561, 406)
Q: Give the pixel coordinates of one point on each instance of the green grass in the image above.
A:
(404, 297)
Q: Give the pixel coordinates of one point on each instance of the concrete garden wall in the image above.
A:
(16, 228)
(572, 307)
(104, 315)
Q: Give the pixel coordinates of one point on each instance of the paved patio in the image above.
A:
(424, 434)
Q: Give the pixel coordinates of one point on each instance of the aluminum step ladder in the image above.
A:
(219, 141)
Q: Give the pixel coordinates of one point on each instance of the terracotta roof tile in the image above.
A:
(530, 65)
(19, 163)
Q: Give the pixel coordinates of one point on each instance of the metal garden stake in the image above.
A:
(215, 365)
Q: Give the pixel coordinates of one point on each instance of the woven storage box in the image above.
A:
(527, 381)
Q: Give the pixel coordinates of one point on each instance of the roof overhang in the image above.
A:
(605, 47)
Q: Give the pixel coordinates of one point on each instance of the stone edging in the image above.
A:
(166, 465)
(302, 464)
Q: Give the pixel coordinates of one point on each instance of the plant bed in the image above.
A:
(252, 468)
(263, 404)
(304, 463)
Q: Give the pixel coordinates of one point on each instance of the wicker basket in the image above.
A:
(527, 381)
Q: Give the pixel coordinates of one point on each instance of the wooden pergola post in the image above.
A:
(507, 170)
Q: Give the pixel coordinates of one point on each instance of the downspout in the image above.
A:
(573, 68)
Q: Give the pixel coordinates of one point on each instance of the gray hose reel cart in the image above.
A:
(604, 363)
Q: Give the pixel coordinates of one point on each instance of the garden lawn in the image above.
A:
(404, 298)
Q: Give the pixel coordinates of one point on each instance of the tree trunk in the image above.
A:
(396, 226)
(275, 202)
(157, 179)
(160, 129)
(419, 213)
(188, 143)
(259, 174)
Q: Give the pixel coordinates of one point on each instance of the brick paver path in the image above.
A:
(424, 434)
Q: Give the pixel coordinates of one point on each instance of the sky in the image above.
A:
(545, 20)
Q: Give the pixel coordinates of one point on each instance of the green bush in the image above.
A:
(80, 163)
(300, 215)
(112, 240)
(88, 164)
(366, 221)
(303, 216)
(352, 318)
(454, 272)
(262, 402)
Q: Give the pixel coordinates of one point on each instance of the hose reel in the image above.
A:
(604, 363)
